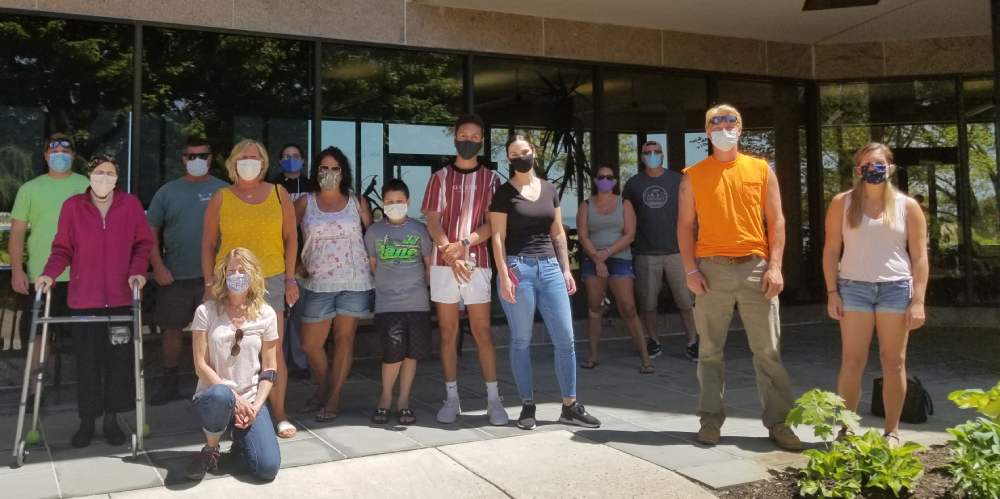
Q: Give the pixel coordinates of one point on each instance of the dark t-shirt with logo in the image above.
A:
(400, 275)
(655, 202)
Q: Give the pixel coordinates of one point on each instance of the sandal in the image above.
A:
(406, 417)
(647, 369)
(286, 429)
(589, 364)
(380, 416)
(325, 415)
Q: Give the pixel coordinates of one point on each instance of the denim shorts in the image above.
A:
(322, 306)
(881, 297)
(617, 267)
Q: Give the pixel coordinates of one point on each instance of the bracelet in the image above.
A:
(692, 272)
(291, 280)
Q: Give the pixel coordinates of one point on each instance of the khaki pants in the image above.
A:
(739, 284)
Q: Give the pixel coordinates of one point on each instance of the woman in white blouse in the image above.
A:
(235, 341)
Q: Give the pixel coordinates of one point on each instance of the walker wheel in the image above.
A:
(21, 453)
(135, 446)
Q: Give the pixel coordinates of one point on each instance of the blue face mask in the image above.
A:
(874, 173)
(291, 165)
(60, 161)
(652, 160)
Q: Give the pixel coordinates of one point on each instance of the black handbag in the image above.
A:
(917, 404)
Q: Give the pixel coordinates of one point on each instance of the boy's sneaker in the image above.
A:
(576, 414)
(449, 411)
(691, 352)
(653, 348)
(526, 421)
(497, 413)
(205, 461)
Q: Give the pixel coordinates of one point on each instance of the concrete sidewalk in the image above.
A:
(645, 445)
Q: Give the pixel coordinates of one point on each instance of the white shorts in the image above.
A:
(445, 288)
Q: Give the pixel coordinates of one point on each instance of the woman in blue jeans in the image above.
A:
(529, 245)
(234, 339)
(876, 270)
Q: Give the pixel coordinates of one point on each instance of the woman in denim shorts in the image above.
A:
(606, 227)
(881, 278)
(338, 282)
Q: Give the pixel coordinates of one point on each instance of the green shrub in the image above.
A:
(854, 463)
(975, 452)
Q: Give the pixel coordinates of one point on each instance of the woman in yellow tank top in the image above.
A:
(258, 216)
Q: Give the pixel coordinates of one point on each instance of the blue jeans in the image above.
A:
(260, 444)
(541, 286)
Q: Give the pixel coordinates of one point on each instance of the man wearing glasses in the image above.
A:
(37, 207)
(653, 194)
(178, 209)
(732, 235)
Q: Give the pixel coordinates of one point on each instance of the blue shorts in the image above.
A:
(880, 297)
(322, 306)
(617, 267)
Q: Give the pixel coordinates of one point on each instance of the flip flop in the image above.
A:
(284, 427)
(589, 364)
(380, 416)
(647, 369)
(325, 416)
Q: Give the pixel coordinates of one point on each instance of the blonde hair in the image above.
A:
(721, 110)
(238, 148)
(255, 299)
(857, 207)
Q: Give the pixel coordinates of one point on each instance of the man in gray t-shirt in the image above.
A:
(656, 256)
(178, 210)
(400, 272)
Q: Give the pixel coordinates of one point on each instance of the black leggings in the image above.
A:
(106, 382)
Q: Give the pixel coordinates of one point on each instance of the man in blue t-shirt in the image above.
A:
(178, 209)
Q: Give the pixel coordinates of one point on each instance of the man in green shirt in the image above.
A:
(37, 207)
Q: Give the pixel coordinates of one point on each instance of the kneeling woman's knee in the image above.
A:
(265, 467)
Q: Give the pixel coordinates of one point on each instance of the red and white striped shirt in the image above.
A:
(462, 197)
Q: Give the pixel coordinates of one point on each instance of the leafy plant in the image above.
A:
(976, 450)
(853, 463)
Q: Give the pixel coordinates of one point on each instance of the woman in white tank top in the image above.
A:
(879, 280)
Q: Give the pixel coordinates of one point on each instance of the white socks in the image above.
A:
(492, 392)
(451, 387)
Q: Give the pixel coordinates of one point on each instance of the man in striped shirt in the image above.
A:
(456, 204)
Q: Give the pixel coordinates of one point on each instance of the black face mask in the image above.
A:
(468, 149)
(522, 164)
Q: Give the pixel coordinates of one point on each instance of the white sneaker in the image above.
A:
(497, 413)
(449, 411)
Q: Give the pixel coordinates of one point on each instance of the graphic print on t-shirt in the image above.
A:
(404, 251)
(655, 197)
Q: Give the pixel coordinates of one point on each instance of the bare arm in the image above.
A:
(434, 228)
(15, 248)
(366, 212)
(372, 264)
(583, 232)
(300, 208)
(834, 241)
(775, 220)
(210, 237)
(559, 242)
(499, 222)
(289, 234)
(685, 225)
(155, 256)
(268, 362)
(916, 230)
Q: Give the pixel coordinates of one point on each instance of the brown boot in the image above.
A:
(784, 438)
(708, 435)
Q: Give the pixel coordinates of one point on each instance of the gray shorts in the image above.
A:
(651, 271)
(275, 286)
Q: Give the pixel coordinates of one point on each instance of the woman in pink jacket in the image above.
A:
(104, 238)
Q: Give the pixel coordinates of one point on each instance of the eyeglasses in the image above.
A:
(236, 346)
(64, 143)
(724, 118)
(198, 155)
(605, 177)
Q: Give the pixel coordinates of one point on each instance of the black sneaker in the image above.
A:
(653, 348)
(167, 390)
(84, 435)
(691, 352)
(205, 461)
(526, 421)
(576, 414)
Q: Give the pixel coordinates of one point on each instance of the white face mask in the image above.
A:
(725, 140)
(248, 169)
(102, 185)
(395, 211)
(197, 167)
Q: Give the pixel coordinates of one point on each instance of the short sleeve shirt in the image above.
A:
(400, 276)
(462, 197)
(654, 200)
(38, 203)
(179, 209)
(529, 223)
(242, 371)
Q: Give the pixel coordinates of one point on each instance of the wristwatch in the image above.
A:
(466, 242)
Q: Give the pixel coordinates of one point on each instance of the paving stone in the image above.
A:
(727, 473)
(29, 484)
(101, 469)
(353, 435)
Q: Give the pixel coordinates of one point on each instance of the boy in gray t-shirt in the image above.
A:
(399, 251)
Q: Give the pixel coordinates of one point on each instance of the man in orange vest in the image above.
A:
(731, 235)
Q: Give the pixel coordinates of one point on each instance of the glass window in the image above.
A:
(61, 76)
(984, 195)
(916, 101)
(263, 91)
(754, 100)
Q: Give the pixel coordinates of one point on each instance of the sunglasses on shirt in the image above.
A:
(724, 118)
(236, 346)
(65, 144)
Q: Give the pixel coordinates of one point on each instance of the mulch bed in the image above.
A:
(936, 482)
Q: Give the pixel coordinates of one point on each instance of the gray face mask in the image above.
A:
(329, 181)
